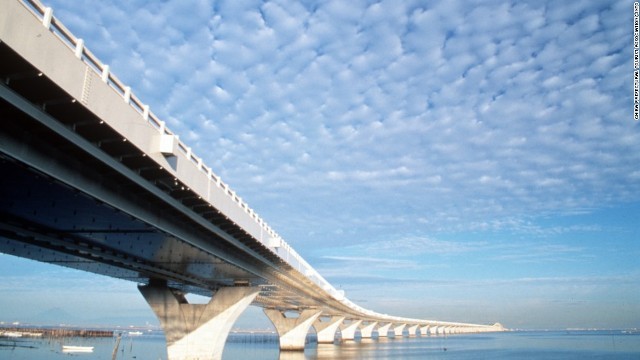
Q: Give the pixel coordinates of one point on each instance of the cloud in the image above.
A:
(423, 245)
(587, 282)
(447, 130)
(485, 104)
(425, 260)
(372, 262)
(543, 253)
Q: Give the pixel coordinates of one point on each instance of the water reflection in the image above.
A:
(327, 351)
(512, 345)
(292, 355)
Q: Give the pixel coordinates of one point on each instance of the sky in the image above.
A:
(456, 160)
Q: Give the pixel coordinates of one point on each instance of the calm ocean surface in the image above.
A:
(510, 345)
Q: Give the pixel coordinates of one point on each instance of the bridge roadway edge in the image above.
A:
(294, 290)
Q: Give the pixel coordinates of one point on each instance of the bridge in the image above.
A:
(94, 180)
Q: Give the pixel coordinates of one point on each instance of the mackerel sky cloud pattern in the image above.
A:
(410, 142)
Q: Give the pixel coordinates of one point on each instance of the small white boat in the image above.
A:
(135, 333)
(73, 348)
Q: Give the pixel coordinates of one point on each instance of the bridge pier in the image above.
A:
(349, 330)
(412, 330)
(292, 331)
(424, 331)
(197, 331)
(326, 330)
(367, 330)
(397, 331)
(383, 331)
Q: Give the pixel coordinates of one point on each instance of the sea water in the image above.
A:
(565, 345)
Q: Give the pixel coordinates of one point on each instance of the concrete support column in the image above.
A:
(292, 331)
(349, 330)
(412, 330)
(424, 331)
(397, 331)
(383, 330)
(367, 330)
(326, 330)
(197, 331)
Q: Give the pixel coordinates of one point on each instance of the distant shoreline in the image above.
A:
(31, 330)
(51, 332)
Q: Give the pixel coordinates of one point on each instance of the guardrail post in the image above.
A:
(105, 73)
(79, 48)
(46, 19)
(127, 94)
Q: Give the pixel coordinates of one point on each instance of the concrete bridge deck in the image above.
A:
(93, 180)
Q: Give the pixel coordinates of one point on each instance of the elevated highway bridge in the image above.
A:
(91, 179)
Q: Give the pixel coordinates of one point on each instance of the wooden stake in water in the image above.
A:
(115, 349)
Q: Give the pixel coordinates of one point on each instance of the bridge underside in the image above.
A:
(48, 221)
(74, 192)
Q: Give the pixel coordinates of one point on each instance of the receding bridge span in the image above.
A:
(93, 180)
